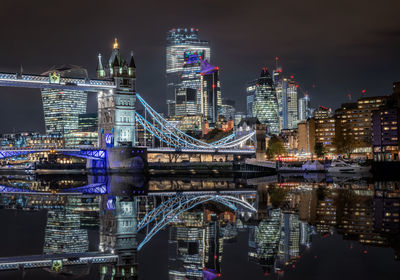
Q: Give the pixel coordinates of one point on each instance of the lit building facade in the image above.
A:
(290, 108)
(61, 108)
(250, 92)
(278, 79)
(304, 108)
(179, 41)
(355, 121)
(185, 102)
(265, 106)
(228, 109)
(211, 100)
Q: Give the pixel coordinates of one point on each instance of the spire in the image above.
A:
(115, 45)
(132, 62)
(100, 69)
(116, 62)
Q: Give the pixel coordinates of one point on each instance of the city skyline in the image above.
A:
(339, 57)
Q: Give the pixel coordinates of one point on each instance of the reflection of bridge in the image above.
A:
(51, 260)
(172, 204)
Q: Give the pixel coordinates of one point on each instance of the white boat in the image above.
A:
(313, 166)
(340, 166)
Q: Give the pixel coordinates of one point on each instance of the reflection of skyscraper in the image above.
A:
(62, 107)
(63, 233)
(196, 245)
(264, 240)
(265, 106)
(178, 42)
(289, 247)
(186, 250)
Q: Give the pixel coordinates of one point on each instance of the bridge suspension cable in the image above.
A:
(171, 135)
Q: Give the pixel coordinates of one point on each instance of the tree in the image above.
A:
(319, 149)
(215, 134)
(275, 147)
(345, 144)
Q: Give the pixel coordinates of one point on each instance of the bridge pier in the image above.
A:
(121, 160)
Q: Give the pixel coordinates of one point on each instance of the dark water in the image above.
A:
(265, 228)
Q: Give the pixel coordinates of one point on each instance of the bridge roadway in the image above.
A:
(43, 261)
(100, 154)
(40, 81)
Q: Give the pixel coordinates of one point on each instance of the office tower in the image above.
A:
(116, 108)
(250, 92)
(211, 101)
(179, 41)
(265, 106)
(190, 76)
(291, 97)
(304, 108)
(87, 122)
(322, 113)
(354, 122)
(277, 77)
(185, 102)
(61, 107)
(228, 109)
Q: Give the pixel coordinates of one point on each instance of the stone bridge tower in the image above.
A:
(116, 108)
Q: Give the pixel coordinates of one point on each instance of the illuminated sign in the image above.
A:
(109, 140)
(54, 78)
(194, 55)
(56, 265)
(111, 203)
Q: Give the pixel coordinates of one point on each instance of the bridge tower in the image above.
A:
(116, 108)
(118, 229)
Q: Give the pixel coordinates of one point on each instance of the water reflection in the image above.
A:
(201, 216)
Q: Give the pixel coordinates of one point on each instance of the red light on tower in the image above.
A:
(276, 58)
(213, 86)
(297, 86)
(363, 91)
(292, 77)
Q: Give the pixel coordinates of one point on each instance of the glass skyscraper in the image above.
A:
(211, 102)
(179, 41)
(265, 106)
(291, 98)
(304, 108)
(62, 107)
(250, 91)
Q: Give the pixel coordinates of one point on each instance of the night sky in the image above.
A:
(340, 47)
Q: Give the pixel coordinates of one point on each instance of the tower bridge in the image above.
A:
(118, 119)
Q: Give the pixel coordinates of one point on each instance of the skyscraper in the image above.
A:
(304, 108)
(62, 107)
(190, 76)
(185, 102)
(250, 92)
(265, 106)
(179, 41)
(291, 97)
(277, 77)
(211, 101)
